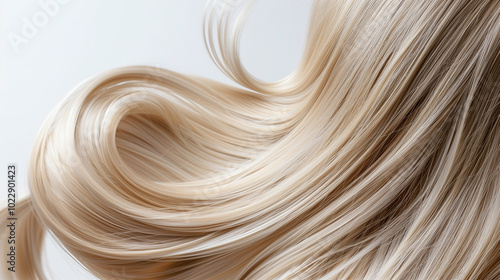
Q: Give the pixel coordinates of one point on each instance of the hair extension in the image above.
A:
(377, 158)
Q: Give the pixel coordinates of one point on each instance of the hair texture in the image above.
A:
(377, 158)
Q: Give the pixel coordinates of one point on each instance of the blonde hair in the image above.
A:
(377, 158)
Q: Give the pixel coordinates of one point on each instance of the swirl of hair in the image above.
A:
(377, 158)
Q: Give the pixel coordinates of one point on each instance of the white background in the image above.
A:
(79, 38)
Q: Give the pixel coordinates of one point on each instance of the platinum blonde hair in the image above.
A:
(377, 158)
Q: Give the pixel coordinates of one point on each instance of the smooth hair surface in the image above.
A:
(377, 158)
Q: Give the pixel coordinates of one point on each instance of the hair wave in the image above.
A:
(377, 158)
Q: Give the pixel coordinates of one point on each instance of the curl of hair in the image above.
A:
(377, 158)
